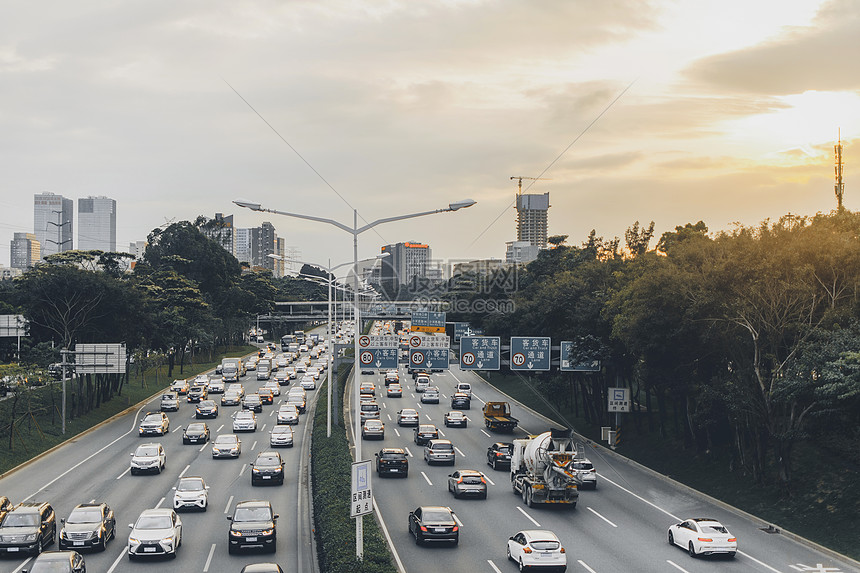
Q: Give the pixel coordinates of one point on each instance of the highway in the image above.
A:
(618, 528)
(95, 467)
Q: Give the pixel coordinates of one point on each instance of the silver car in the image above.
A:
(467, 482)
(226, 446)
(244, 421)
(156, 532)
(373, 428)
(169, 402)
(585, 472)
(148, 458)
(439, 451)
(288, 414)
(281, 436)
(191, 493)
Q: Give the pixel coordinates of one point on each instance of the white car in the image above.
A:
(585, 472)
(291, 372)
(464, 388)
(148, 458)
(273, 386)
(288, 414)
(216, 385)
(244, 421)
(536, 548)
(191, 492)
(703, 536)
(281, 436)
(314, 371)
(201, 380)
(308, 382)
(226, 446)
(156, 532)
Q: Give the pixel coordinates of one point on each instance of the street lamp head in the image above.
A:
(276, 257)
(461, 204)
(383, 255)
(248, 204)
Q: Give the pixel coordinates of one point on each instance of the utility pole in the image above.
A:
(839, 188)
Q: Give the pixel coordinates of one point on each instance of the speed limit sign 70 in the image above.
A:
(518, 359)
(468, 359)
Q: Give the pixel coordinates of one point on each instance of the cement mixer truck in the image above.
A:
(541, 470)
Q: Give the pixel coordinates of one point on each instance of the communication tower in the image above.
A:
(839, 188)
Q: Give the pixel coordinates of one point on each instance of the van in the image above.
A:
(464, 388)
(369, 410)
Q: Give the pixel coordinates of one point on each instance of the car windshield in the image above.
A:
(169, 397)
(85, 515)
(578, 465)
(429, 429)
(244, 416)
(152, 418)
(190, 484)
(21, 520)
(393, 456)
(146, 451)
(442, 446)
(153, 522)
(369, 407)
(252, 514)
(436, 516)
(282, 430)
(545, 545)
(408, 413)
(195, 428)
(51, 564)
(267, 461)
(455, 414)
(225, 440)
(714, 528)
(207, 404)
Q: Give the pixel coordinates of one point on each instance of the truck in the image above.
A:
(497, 417)
(541, 470)
(232, 369)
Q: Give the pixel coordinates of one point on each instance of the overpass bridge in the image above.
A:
(317, 311)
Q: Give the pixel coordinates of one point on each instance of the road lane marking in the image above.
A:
(427, 478)
(229, 501)
(160, 501)
(459, 451)
(185, 470)
(21, 566)
(485, 433)
(529, 517)
(493, 565)
(220, 428)
(589, 569)
(242, 470)
(457, 519)
(396, 432)
(270, 415)
(676, 566)
(201, 449)
(209, 559)
(177, 429)
(400, 566)
(389, 417)
(254, 445)
(601, 517)
(408, 452)
(116, 561)
(420, 406)
(128, 469)
(487, 478)
(440, 432)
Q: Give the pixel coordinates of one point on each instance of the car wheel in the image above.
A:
(39, 547)
(671, 539)
(508, 551)
(522, 567)
(484, 496)
(529, 498)
(691, 550)
(732, 555)
(231, 550)
(417, 538)
(103, 543)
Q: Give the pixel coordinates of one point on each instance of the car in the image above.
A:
(464, 388)
(267, 468)
(266, 395)
(262, 568)
(291, 372)
(58, 562)
(153, 423)
(28, 528)
(456, 418)
(585, 472)
(499, 455)
(156, 532)
(250, 365)
(434, 523)
(236, 387)
(315, 372)
(537, 549)
(148, 458)
(180, 387)
(288, 414)
(407, 417)
(281, 436)
(197, 393)
(391, 376)
(244, 421)
(394, 390)
(423, 433)
(196, 433)
(216, 385)
(467, 483)
(253, 402)
(422, 383)
(170, 402)
(308, 382)
(368, 372)
(367, 388)
(298, 401)
(392, 461)
(231, 399)
(89, 526)
(368, 410)
(253, 525)
(263, 371)
(366, 398)
(461, 402)
(441, 451)
(703, 536)
(430, 395)
(226, 446)
(201, 380)
(191, 493)
(373, 428)
(206, 409)
(282, 378)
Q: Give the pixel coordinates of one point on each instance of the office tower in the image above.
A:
(52, 222)
(138, 249)
(406, 261)
(221, 230)
(25, 251)
(97, 224)
(243, 245)
(532, 219)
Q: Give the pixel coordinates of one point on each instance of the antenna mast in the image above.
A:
(839, 188)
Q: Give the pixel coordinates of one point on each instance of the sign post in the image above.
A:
(480, 353)
(361, 501)
(619, 401)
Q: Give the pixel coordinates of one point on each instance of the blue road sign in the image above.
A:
(530, 352)
(432, 358)
(565, 365)
(427, 321)
(461, 329)
(379, 358)
(480, 353)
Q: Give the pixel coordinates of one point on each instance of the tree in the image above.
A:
(637, 239)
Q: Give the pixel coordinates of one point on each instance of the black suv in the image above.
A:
(460, 401)
(89, 526)
(499, 454)
(267, 468)
(29, 527)
(392, 461)
(252, 525)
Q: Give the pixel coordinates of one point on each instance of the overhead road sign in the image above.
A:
(375, 341)
(565, 364)
(430, 358)
(362, 490)
(427, 321)
(461, 329)
(419, 341)
(379, 358)
(530, 353)
(100, 358)
(480, 353)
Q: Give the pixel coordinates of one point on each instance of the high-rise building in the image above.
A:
(137, 248)
(25, 251)
(220, 229)
(97, 224)
(243, 245)
(520, 252)
(532, 219)
(53, 222)
(405, 262)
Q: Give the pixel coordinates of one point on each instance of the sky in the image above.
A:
(667, 110)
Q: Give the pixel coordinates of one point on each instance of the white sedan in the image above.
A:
(537, 548)
(703, 536)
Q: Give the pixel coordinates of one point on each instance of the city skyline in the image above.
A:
(673, 112)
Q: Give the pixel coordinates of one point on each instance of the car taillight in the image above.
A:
(733, 539)
(562, 549)
(705, 539)
(455, 528)
(423, 528)
(483, 481)
(460, 480)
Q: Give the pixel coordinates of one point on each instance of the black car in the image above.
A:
(196, 433)
(424, 433)
(392, 461)
(89, 526)
(460, 401)
(433, 523)
(253, 402)
(267, 468)
(252, 526)
(499, 455)
(58, 562)
(197, 393)
(207, 409)
(28, 528)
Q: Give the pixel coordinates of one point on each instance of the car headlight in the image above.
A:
(30, 537)
(134, 540)
(255, 470)
(167, 540)
(268, 531)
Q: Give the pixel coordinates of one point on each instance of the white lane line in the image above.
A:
(220, 428)
(122, 474)
(400, 566)
(201, 449)
(427, 478)
(242, 470)
(116, 561)
(459, 451)
(263, 428)
(185, 470)
(270, 415)
(486, 477)
(408, 452)
(389, 417)
(209, 559)
(441, 433)
(457, 519)
(21, 566)
(229, 502)
(385, 405)
(396, 432)
(428, 415)
(493, 565)
(676, 566)
(254, 445)
(529, 517)
(177, 429)
(601, 517)
(160, 501)
(587, 568)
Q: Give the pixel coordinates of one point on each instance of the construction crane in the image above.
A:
(520, 182)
